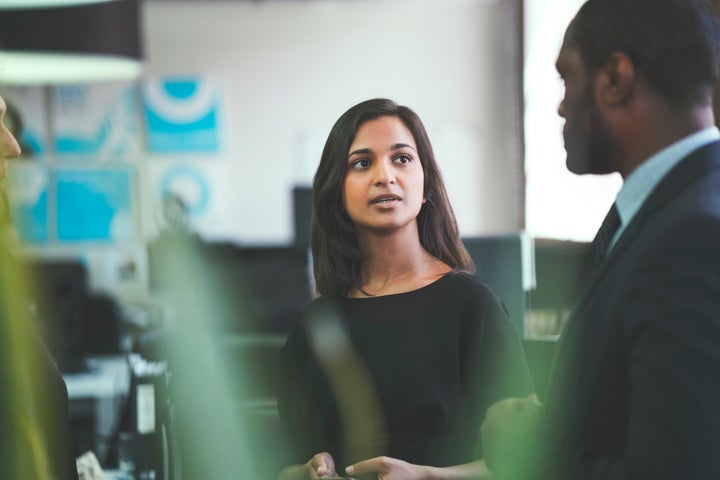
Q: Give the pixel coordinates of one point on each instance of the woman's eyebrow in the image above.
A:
(398, 146)
(360, 151)
(394, 146)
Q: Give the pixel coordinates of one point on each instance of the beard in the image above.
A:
(588, 143)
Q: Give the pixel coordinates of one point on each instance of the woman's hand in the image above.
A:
(321, 465)
(387, 468)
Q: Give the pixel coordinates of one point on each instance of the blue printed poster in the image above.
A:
(28, 192)
(97, 120)
(94, 205)
(181, 114)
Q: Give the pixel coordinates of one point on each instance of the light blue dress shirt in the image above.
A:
(638, 186)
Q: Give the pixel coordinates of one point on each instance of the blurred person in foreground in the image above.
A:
(635, 389)
(389, 372)
(35, 440)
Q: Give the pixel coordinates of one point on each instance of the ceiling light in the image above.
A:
(90, 41)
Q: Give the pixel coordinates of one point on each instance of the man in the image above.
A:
(34, 422)
(635, 390)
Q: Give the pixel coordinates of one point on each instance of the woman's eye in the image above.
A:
(402, 159)
(362, 163)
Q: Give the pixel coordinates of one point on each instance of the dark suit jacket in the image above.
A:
(635, 392)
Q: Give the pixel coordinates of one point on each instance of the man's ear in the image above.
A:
(615, 80)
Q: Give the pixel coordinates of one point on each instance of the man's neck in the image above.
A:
(662, 128)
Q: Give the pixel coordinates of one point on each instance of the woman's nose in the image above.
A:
(384, 173)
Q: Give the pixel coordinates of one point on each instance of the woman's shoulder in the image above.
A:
(465, 281)
(471, 292)
(320, 304)
(318, 308)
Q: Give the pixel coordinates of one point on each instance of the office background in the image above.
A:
(280, 72)
(230, 115)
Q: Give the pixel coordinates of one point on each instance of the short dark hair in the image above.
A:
(674, 43)
(336, 253)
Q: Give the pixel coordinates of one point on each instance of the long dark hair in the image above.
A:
(336, 253)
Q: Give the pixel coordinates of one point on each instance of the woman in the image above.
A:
(35, 437)
(391, 369)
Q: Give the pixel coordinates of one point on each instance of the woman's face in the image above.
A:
(383, 188)
(9, 147)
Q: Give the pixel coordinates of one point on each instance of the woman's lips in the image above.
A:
(385, 199)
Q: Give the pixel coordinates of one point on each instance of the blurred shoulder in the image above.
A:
(466, 282)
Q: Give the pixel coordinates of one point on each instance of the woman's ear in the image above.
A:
(426, 197)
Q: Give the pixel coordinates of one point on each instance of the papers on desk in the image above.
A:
(146, 376)
(89, 468)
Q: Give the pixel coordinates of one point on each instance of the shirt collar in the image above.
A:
(643, 180)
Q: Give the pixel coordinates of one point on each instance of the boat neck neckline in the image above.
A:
(409, 292)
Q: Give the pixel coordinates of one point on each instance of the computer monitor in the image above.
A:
(235, 288)
(267, 287)
(506, 264)
(58, 289)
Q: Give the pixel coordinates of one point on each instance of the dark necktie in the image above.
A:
(602, 240)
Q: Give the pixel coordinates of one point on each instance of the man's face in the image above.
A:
(587, 141)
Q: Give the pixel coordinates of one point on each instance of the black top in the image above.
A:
(437, 356)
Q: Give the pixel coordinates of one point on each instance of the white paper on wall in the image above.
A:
(100, 120)
(26, 117)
